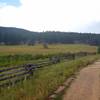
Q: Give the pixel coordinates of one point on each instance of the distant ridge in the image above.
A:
(12, 36)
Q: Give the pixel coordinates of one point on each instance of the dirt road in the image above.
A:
(87, 84)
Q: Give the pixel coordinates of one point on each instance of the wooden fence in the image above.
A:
(9, 76)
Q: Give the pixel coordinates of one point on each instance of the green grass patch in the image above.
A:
(45, 80)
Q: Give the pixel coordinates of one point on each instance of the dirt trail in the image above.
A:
(87, 84)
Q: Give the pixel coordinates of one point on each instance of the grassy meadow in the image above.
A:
(45, 80)
(21, 54)
(38, 49)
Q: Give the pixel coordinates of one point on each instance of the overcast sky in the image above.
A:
(43, 15)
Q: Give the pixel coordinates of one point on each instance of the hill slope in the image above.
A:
(10, 35)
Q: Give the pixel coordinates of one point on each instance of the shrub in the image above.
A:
(98, 50)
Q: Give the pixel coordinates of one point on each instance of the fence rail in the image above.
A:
(12, 75)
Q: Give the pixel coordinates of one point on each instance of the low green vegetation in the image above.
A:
(45, 80)
(98, 50)
(12, 60)
(22, 54)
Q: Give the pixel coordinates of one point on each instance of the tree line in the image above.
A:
(13, 36)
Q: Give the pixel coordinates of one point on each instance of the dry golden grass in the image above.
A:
(38, 49)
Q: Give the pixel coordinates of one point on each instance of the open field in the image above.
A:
(44, 81)
(38, 49)
(21, 54)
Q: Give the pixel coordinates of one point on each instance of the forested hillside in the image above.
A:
(20, 36)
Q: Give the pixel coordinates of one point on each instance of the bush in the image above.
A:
(98, 50)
